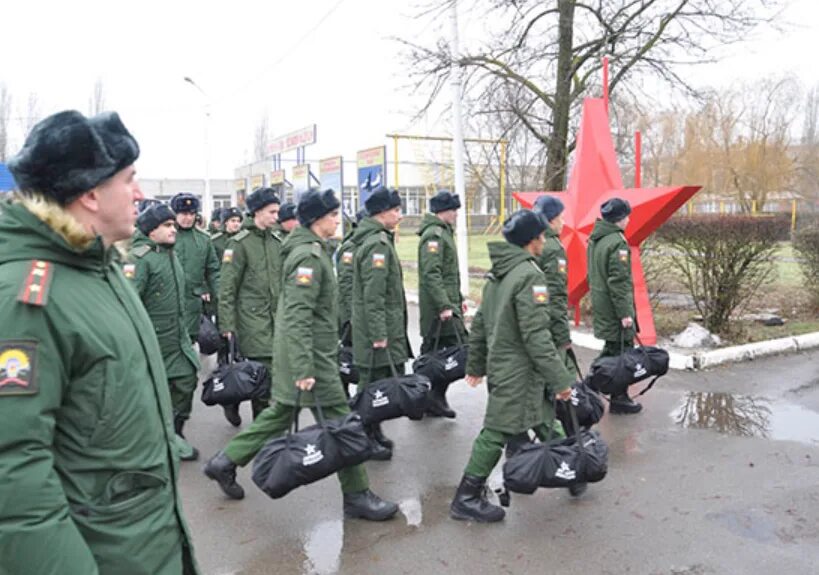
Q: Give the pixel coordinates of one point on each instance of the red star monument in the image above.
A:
(595, 178)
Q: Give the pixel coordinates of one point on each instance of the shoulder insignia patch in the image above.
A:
(129, 271)
(241, 235)
(227, 256)
(379, 260)
(34, 290)
(432, 247)
(540, 294)
(438, 231)
(317, 249)
(140, 251)
(384, 237)
(217, 235)
(304, 276)
(623, 255)
(347, 258)
(561, 265)
(17, 367)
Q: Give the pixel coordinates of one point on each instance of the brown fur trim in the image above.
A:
(55, 217)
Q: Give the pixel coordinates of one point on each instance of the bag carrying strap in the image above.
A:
(438, 324)
(389, 360)
(294, 426)
(345, 332)
(570, 353)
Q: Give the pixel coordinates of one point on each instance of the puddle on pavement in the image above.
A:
(748, 525)
(748, 416)
(411, 508)
(322, 548)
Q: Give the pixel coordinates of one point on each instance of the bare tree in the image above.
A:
(807, 184)
(5, 115)
(96, 103)
(550, 53)
(32, 114)
(261, 136)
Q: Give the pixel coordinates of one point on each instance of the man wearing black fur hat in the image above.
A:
(379, 311)
(198, 258)
(305, 354)
(215, 224)
(287, 220)
(511, 345)
(231, 225)
(160, 282)
(251, 272)
(612, 289)
(440, 300)
(87, 447)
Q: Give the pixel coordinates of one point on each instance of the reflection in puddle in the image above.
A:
(323, 548)
(411, 508)
(748, 416)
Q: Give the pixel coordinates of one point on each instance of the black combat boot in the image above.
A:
(622, 403)
(470, 503)
(578, 489)
(222, 470)
(379, 436)
(232, 414)
(367, 505)
(437, 405)
(379, 451)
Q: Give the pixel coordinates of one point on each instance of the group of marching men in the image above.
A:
(285, 296)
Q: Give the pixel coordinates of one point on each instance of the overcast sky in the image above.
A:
(346, 75)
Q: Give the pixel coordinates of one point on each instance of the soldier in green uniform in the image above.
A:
(249, 287)
(160, 283)
(439, 287)
(215, 224)
(305, 355)
(379, 310)
(287, 220)
(510, 343)
(87, 447)
(231, 225)
(198, 258)
(612, 289)
(344, 269)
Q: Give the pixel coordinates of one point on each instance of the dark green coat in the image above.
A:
(554, 264)
(344, 267)
(308, 347)
(87, 457)
(610, 281)
(249, 289)
(379, 306)
(220, 241)
(198, 258)
(511, 344)
(439, 282)
(160, 283)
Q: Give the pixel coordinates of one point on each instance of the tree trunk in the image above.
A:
(556, 158)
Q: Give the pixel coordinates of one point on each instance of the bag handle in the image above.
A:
(345, 332)
(575, 423)
(294, 425)
(389, 359)
(573, 357)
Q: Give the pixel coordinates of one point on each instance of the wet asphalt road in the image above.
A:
(719, 474)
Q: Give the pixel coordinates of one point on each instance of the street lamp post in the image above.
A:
(207, 201)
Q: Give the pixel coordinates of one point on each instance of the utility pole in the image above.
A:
(207, 200)
(458, 152)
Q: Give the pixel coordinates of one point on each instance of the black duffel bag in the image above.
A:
(443, 365)
(588, 406)
(614, 375)
(393, 397)
(305, 456)
(235, 379)
(346, 367)
(581, 458)
(208, 337)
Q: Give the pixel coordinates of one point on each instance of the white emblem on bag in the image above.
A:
(565, 472)
(575, 399)
(217, 384)
(451, 363)
(345, 368)
(639, 370)
(380, 399)
(313, 455)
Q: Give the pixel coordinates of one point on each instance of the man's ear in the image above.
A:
(90, 200)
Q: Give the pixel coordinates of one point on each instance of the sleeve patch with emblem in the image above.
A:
(17, 367)
(379, 260)
(623, 255)
(540, 294)
(227, 257)
(561, 265)
(129, 270)
(304, 276)
(432, 247)
(347, 258)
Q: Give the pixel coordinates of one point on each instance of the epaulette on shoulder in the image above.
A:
(140, 251)
(278, 236)
(438, 231)
(241, 235)
(203, 232)
(217, 235)
(316, 249)
(34, 290)
(385, 239)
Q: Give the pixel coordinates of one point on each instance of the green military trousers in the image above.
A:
(489, 445)
(182, 389)
(274, 422)
(615, 348)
